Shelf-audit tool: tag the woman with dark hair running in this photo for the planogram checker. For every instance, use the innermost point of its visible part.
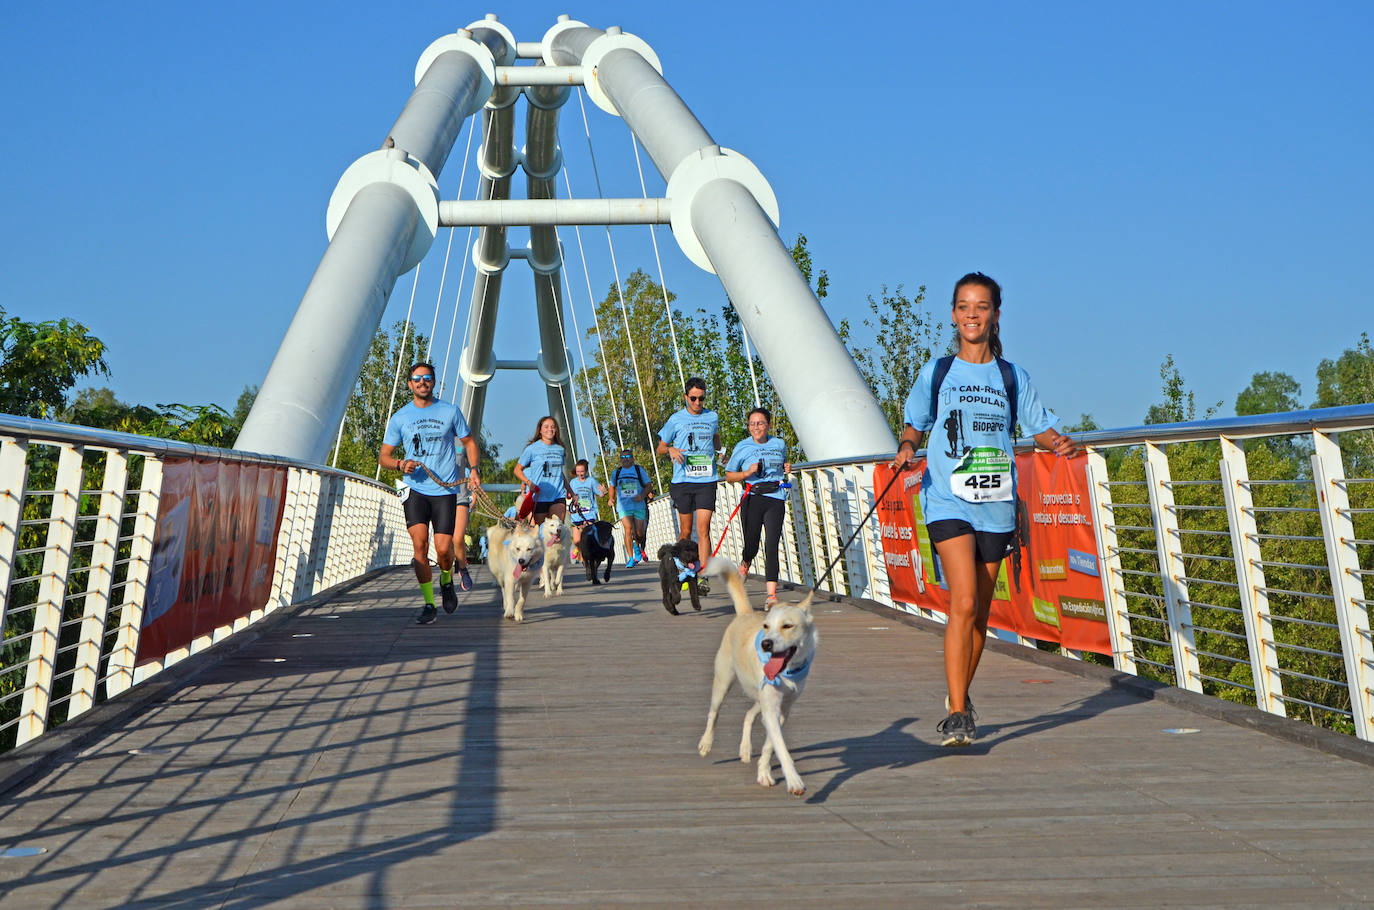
(968, 495)
(761, 461)
(540, 467)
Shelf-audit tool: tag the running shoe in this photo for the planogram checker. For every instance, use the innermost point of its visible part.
(956, 730)
(464, 579)
(971, 711)
(770, 603)
(639, 553)
(703, 586)
(427, 615)
(449, 596)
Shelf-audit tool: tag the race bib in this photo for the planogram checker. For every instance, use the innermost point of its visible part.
(983, 475)
(629, 489)
(699, 466)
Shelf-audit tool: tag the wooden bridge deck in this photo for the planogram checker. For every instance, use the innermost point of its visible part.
(348, 757)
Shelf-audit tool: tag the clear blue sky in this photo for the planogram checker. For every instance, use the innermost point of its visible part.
(1194, 179)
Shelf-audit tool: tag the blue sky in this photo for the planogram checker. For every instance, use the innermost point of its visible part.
(1171, 178)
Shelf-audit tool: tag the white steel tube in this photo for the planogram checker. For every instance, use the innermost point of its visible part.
(1169, 545)
(539, 75)
(99, 579)
(549, 212)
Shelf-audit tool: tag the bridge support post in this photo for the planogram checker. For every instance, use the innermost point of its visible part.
(724, 216)
(382, 220)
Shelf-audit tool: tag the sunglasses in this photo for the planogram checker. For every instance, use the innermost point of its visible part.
(427, 377)
(696, 397)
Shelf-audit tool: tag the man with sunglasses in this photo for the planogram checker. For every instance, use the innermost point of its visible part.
(433, 492)
(690, 438)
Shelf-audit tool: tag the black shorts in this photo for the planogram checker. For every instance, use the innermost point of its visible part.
(988, 546)
(439, 511)
(688, 497)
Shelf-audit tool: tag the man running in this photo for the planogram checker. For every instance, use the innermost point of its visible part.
(433, 492)
(690, 438)
(632, 494)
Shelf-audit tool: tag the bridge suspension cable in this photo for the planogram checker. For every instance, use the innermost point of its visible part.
(620, 294)
(658, 261)
(448, 252)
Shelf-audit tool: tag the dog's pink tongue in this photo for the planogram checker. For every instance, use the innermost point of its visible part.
(518, 570)
(774, 666)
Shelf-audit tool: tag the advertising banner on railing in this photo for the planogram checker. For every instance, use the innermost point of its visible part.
(214, 552)
(1058, 594)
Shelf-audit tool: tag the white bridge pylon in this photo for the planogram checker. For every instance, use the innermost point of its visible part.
(385, 212)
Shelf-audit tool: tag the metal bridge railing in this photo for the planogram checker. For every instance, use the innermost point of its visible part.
(79, 513)
(1234, 554)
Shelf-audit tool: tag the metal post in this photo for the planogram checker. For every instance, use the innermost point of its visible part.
(1109, 558)
(1254, 602)
(721, 217)
(52, 596)
(99, 579)
(120, 674)
(1172, 574)
(14, 476)
(1352, 616)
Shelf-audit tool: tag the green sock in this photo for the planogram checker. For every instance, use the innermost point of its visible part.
(445, 576)
(427, 589)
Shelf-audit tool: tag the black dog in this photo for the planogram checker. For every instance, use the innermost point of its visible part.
(678, 562)
(597, 544)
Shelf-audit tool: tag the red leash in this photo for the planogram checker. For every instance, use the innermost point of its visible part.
(744, 496)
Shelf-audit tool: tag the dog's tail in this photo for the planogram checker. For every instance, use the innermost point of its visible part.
(725, 570)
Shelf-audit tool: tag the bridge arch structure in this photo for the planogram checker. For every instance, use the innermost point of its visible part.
(386, 210)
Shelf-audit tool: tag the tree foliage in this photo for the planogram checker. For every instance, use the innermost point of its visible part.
(1268, 393)
(1179, 404)
(41, 361)
(905, 335)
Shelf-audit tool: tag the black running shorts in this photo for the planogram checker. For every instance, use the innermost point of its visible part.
(689, 497)
(988, 546)
(439, 511)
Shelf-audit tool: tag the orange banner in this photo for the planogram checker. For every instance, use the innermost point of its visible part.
(214, 552)
(1058, 594)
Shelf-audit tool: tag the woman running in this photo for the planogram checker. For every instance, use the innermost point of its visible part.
(541, 466)
(968, 493)
(584, 489)
(761, 461)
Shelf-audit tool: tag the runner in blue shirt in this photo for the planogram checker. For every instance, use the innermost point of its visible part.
(761, 461)
(433, 493)
(584, 489)
(690, 438)
(541, 466)
(967, 490)
(632, 495)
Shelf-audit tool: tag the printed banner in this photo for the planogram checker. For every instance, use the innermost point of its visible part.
(214, 551)
(1057, 595)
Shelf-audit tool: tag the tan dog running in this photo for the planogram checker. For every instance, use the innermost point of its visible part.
(514, 555)
(557, 540)
(770, 655)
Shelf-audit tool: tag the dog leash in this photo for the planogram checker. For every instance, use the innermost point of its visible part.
(862, 521)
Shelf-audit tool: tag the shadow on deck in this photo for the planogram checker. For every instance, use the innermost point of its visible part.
(348, 757)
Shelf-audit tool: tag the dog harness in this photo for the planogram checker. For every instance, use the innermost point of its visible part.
(685, 572)
(796, 674)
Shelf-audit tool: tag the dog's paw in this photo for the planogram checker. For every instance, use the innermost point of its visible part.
(796, 788)
(766, 778)
(704, 746)
(746, 755)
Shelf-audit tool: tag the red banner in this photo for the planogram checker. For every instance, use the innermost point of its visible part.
(1058, 593)
(214, 552)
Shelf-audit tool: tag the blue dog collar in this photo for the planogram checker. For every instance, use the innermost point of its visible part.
(796, 673)
(684, 572)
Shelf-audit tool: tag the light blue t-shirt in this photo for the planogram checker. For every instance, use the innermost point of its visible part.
(426, 435)
(968, 447)
(769, 455)
(629, 483)
(587, 489)
(695, 435)
(543, 464)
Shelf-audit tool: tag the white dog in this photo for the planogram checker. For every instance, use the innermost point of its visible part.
(556, 538)
(513, 555)
(770, 654)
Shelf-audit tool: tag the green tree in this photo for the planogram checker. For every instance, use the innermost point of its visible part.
(1268, 393)
(905, 335)
(1179, 404)
(1349, 379)
(378, 391)
(41, 361)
